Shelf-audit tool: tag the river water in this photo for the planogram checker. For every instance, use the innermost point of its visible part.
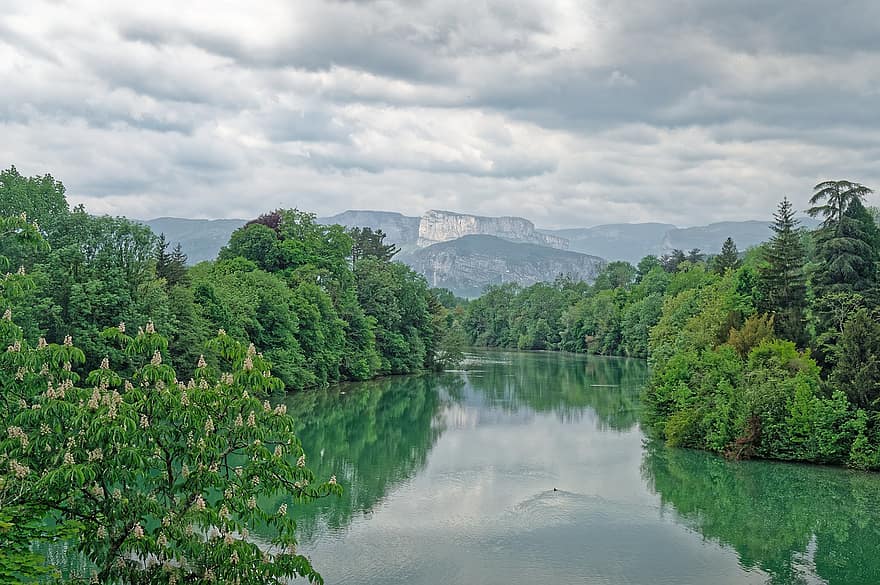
(532, 468)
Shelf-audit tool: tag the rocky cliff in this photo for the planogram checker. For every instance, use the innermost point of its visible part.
(442, 226)
(470, 263)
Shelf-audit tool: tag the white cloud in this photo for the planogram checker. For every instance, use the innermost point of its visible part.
(569, 113)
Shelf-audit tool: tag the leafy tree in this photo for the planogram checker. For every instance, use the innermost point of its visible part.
(756, 330)
(160, 480)
(616, 275)
(646, 265)
(40, 198)
(728, 259)
(398, 299)
(782, 276)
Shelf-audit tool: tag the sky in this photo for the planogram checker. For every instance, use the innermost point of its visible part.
(567, 112)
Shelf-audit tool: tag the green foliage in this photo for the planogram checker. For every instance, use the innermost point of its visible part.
(397, 299)
(856, 369)
(754, 331)
(160, 480)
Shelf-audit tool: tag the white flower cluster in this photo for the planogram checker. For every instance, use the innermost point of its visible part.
(18, 433)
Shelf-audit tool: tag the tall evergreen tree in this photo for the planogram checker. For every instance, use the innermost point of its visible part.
(782, 277)
(847, 240)
(170, 265)
(728, 259)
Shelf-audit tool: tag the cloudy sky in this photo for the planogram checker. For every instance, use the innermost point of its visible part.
(569, 112)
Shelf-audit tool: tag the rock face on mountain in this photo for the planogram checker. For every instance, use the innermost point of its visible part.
(468, 264)
(442, 226)
(399, 229)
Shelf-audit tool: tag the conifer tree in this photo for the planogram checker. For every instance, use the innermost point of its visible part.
(728, 259)
(782, 277)
(847, 239)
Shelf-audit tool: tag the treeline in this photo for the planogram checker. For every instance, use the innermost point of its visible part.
(773, 353)
(321, 303)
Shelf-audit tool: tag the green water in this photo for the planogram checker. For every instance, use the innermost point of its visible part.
(450, 479)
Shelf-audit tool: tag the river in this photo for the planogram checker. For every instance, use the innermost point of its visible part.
(532, 468)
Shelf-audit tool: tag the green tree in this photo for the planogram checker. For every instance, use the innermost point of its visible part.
(847, 238)
(857, 360)
(616, 275)
(41, 198)
(728, 259)
(369, 244)
(782, 277)
(160, 481)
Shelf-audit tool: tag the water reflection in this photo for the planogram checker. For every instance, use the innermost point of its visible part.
(532, 468)
(800, 524)
(372, 436)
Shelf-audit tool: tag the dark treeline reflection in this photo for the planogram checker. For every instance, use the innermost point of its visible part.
(371, 435)
(795, 522)
(565, 384)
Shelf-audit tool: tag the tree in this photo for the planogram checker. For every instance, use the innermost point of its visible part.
(369, 244)
(160, 480)
(847, 239)
(857, 360)
(695, 256)
(831, 199)
(616, 275)
(672, 260)
(170, 266)
(728, 259)
(41, 198)
(782, 277)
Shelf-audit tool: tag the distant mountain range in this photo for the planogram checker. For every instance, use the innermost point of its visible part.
(467, 252)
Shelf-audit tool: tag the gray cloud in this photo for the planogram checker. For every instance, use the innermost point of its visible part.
(569, 113)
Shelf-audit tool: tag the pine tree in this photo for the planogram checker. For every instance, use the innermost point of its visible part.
(177, 274)
(162, 257)
(170, 266)
(728, 259)
(782, 277)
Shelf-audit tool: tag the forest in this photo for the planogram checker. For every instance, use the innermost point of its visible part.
(771, 353)
(135, 390)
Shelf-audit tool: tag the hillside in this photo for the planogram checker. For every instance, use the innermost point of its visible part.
(634, 241)
(470, 263)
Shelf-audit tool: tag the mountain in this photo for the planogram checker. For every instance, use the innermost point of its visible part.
(634, 241)
(442, 226)
(621, 241)
(201, 239)
(468, 264)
